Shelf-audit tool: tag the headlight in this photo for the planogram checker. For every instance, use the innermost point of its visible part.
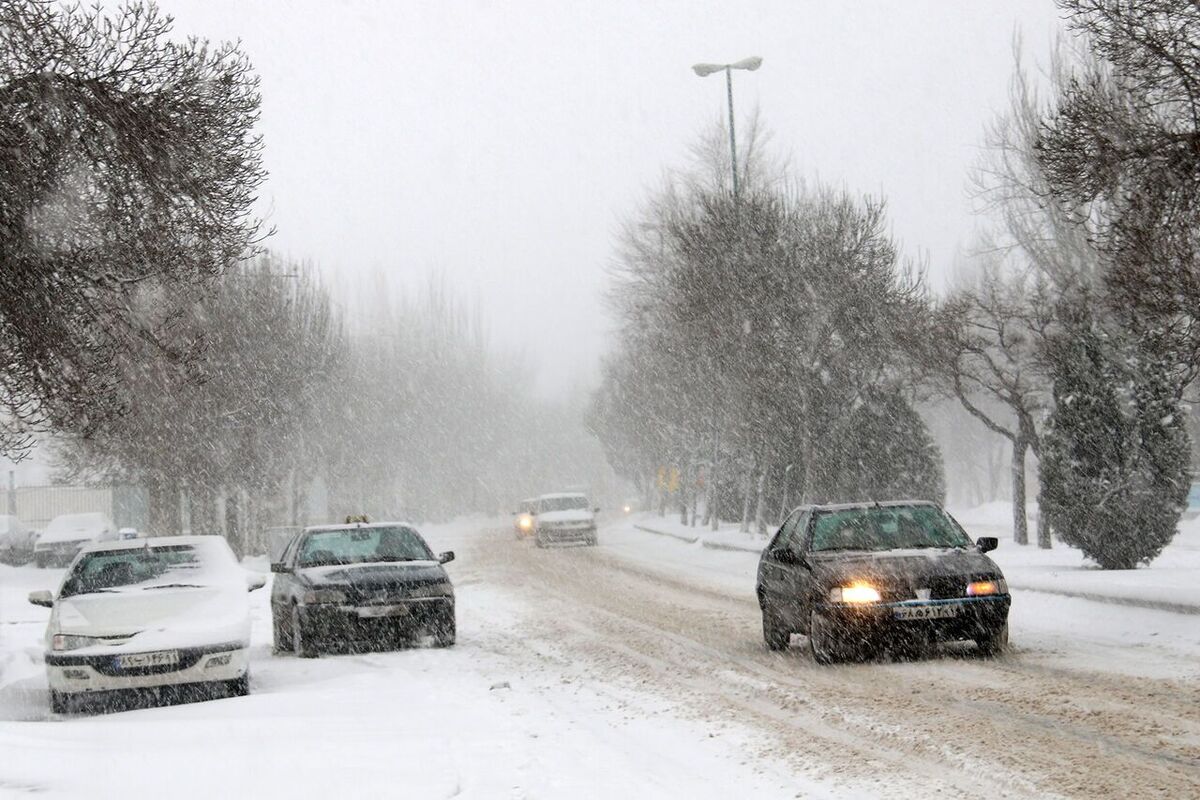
(627, 509)
(856, 593)
(525, 522)
(68, 641)
(985, 588)
(319, 596)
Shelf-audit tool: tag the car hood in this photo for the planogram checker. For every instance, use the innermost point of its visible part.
(377, 574)
(140, 618)
(572, 515)
(909, 567)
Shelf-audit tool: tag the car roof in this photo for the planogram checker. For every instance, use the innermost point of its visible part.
(556, 495)
(867, 504)
(349, 526)
(150, 541)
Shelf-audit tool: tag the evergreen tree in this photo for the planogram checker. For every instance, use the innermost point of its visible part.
(883, 451)
(1114, 466)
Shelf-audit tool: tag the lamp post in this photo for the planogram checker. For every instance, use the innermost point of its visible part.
(704, 70)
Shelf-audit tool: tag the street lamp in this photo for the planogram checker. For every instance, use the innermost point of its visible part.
(704, 70)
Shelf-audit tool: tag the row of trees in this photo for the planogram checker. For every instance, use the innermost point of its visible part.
(772, 342)
(142, 327)
(760, 349)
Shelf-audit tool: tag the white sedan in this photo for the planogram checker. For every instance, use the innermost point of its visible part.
(163, 611)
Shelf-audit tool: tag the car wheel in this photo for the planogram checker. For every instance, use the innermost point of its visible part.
(302, 646)
(445, 630)
(995, 642)
(238, 687)
(60, 702)
(822, 639)
(776, 636)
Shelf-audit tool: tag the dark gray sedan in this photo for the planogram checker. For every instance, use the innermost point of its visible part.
(855, 577)
(360, 584)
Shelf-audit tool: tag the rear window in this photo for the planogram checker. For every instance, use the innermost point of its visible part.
(886, 528)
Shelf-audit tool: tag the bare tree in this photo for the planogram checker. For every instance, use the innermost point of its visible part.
(128, 167)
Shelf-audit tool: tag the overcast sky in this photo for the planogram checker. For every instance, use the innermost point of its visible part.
(501, 143)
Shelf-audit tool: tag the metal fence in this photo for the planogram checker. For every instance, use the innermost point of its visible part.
(36, 505)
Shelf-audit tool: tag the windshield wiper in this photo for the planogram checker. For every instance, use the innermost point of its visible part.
(174, 586)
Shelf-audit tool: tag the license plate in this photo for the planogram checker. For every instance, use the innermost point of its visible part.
(926, 612)
(368, 612)
(162, 658)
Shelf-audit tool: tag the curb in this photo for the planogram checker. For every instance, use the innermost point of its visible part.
(1134, 602)
(727, 546)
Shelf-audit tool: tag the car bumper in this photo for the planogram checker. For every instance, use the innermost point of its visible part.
(330, 624)
(72, 674)
(973, 617)
(566, 535)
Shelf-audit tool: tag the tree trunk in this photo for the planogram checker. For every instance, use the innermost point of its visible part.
(760, 509)
(1043, 532)
(747, 490)
(1020, 525)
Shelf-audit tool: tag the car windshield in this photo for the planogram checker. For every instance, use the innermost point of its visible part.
(571, 503)
(885, 528)
(139, 568)
(361, 545)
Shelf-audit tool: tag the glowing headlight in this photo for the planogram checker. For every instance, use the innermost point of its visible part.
(856, 593)
(525, 522)
(319, 596)
(984, 588)
(627, 509)
(67, 641)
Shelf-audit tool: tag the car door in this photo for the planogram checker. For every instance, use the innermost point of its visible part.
(282, 588)
(784, 573)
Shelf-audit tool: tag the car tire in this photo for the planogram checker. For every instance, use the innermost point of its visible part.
(302, 645)
(238, 687)
(280, 643)
(775, 635)
(995, 642)
(822, 640)
(60, 702)
(445, 630)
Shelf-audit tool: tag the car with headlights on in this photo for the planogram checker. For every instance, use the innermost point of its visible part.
(564, 518)
(360, 584)
(523, 518)
(858, 576)
(148, 613)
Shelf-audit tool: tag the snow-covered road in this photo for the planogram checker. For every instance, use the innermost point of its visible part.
(634, 669)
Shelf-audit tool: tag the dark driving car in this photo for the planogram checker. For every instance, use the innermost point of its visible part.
(339, 586)
(857, 576)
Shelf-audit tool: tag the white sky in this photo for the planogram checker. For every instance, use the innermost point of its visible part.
(502, 143)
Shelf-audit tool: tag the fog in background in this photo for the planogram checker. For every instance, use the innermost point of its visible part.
(501, 144)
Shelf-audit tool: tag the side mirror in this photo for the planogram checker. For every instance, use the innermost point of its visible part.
(42, 598)
(446, 557)
(987, 544)
(255, 581)
(279, 566)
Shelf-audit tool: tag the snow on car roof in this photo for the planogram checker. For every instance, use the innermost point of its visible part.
(154, 541)
(556, 495)
(868, 504)
(349, 526)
